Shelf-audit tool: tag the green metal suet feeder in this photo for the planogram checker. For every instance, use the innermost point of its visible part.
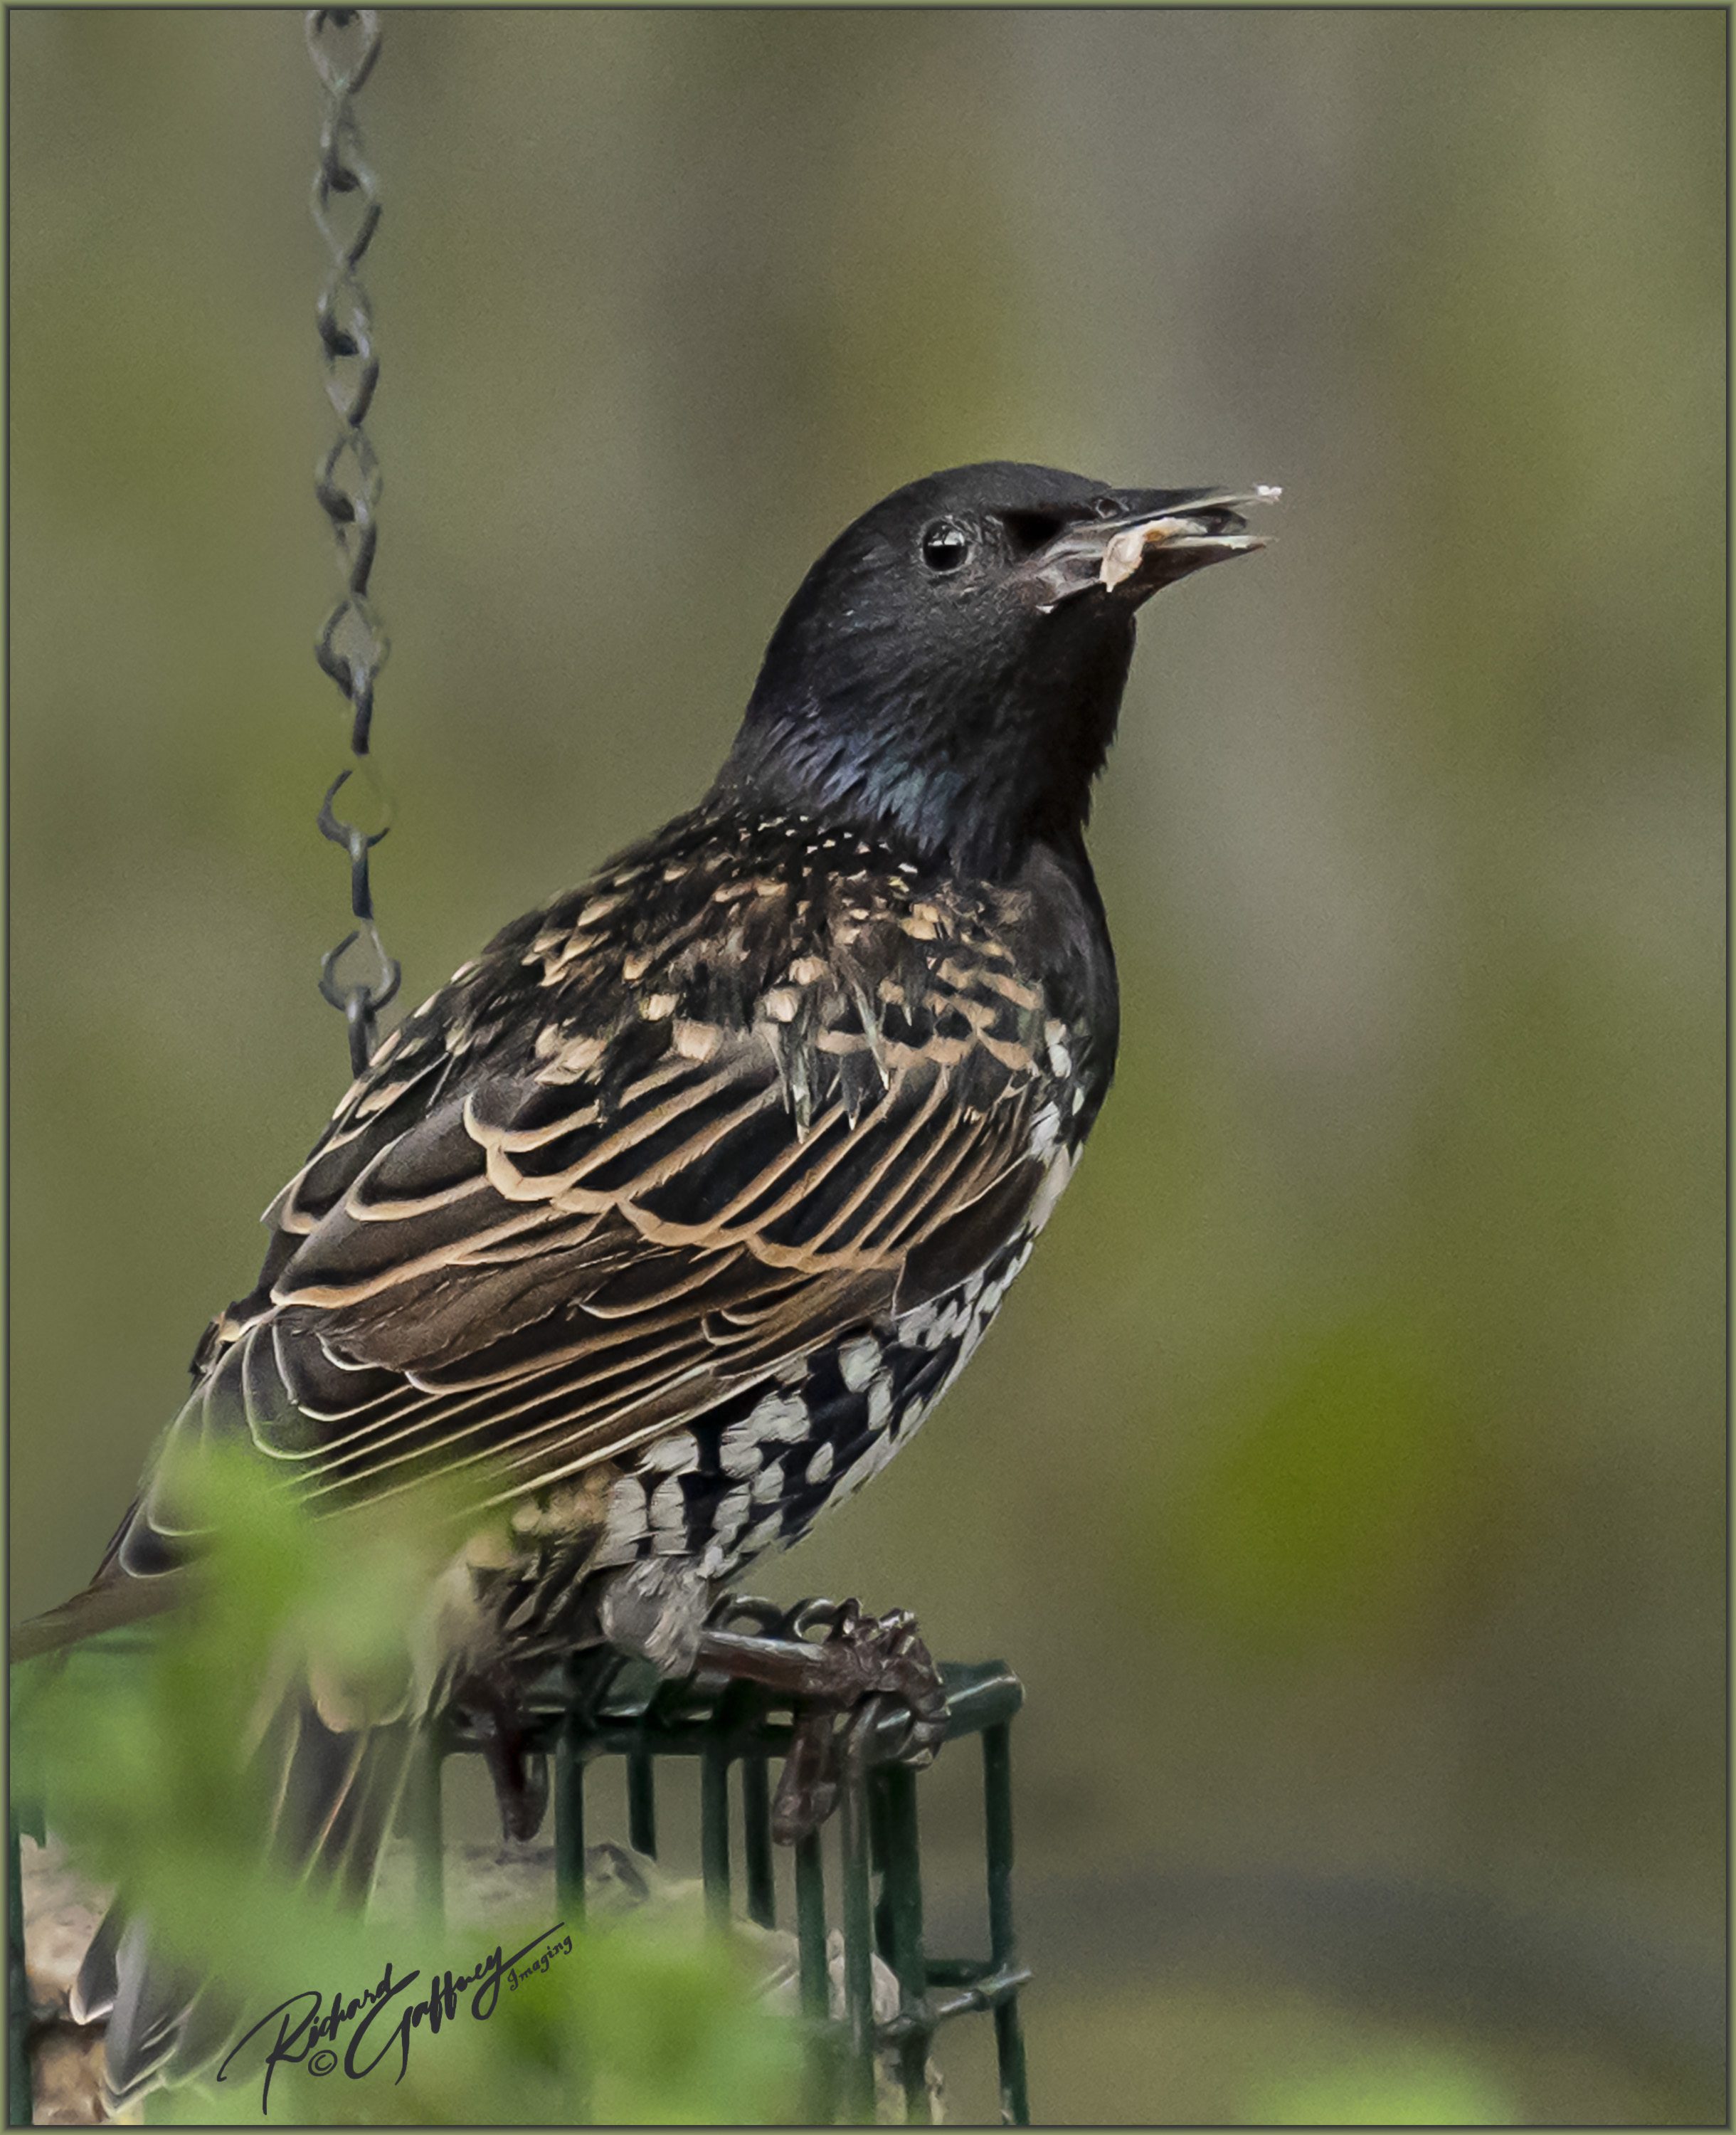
(644, 1720)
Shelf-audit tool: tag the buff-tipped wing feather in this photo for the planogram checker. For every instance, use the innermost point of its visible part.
(527, 1274)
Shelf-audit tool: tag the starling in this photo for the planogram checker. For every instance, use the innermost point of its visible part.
(671, 1217)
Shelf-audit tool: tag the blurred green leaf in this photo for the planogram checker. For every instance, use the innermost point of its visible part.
(135, 1745)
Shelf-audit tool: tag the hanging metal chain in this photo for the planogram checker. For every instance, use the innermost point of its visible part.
(352, 647)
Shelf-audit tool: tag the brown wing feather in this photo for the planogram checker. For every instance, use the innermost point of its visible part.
(541, 1261)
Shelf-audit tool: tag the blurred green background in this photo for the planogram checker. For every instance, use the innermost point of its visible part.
(1346, 1479)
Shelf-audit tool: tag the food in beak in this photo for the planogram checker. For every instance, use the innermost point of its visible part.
(1127, 549)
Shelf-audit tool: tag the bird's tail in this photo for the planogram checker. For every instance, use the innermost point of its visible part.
(105, 1604)
(336, 1792)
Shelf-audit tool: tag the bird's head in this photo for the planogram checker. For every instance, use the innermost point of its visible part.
(949, 672)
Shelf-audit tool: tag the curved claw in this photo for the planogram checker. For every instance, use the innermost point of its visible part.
(890, 1652)
(808, 1786)
(520, 1773)
(868, 1667)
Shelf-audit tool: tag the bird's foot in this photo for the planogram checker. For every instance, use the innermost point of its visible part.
(520, 1774)
(843, 1674)
(842, 1687)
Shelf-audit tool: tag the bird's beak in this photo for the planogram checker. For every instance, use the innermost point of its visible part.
(1160, 536)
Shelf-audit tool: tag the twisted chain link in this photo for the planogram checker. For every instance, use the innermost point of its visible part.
(357, 977)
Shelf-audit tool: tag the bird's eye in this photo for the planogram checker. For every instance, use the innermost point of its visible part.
(1107, 507)
(945, 545)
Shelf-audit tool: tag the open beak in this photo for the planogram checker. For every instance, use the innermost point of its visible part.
(1160, 536)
